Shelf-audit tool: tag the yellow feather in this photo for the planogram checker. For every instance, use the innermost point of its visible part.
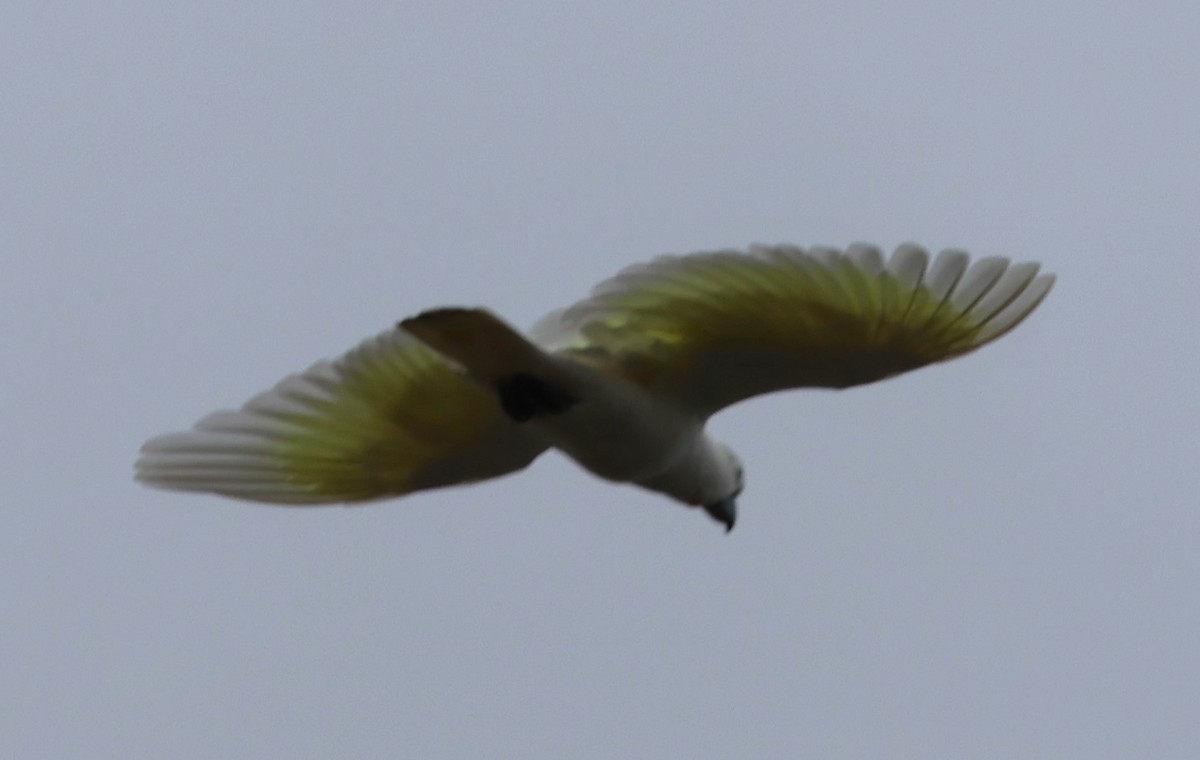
(715, 328)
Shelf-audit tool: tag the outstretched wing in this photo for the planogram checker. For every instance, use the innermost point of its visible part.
(388, 418)
(711, 329)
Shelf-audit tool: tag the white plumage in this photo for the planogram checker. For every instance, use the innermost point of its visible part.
(623, 381)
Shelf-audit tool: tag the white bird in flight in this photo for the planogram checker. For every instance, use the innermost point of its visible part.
(623, 381)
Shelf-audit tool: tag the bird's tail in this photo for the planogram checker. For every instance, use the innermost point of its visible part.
(486, 347)
(527, 381)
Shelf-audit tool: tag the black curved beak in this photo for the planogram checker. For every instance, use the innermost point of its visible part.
(723, 511)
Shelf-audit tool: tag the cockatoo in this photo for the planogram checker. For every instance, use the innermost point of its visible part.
(622, 382)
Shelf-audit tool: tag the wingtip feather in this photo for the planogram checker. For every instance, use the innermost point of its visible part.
(946, 272)
(978, 280)
(1017, 309)
(868, 258)
(908, 264)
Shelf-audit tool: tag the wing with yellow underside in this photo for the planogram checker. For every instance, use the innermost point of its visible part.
(712, 329)
(388, 418)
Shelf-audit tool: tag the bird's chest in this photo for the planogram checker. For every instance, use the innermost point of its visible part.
(621, 439)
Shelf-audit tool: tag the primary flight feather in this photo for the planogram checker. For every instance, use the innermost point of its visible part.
(623, 381)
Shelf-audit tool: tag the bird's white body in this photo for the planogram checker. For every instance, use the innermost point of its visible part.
(619, 432)
(623, 382)
(614, 428)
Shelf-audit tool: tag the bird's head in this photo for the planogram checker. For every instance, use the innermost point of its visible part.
(709, 475)
(727, 481)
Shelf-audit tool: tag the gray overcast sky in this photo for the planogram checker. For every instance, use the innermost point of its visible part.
(994, 558)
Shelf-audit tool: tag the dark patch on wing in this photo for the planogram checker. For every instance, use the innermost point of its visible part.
(525, 397)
